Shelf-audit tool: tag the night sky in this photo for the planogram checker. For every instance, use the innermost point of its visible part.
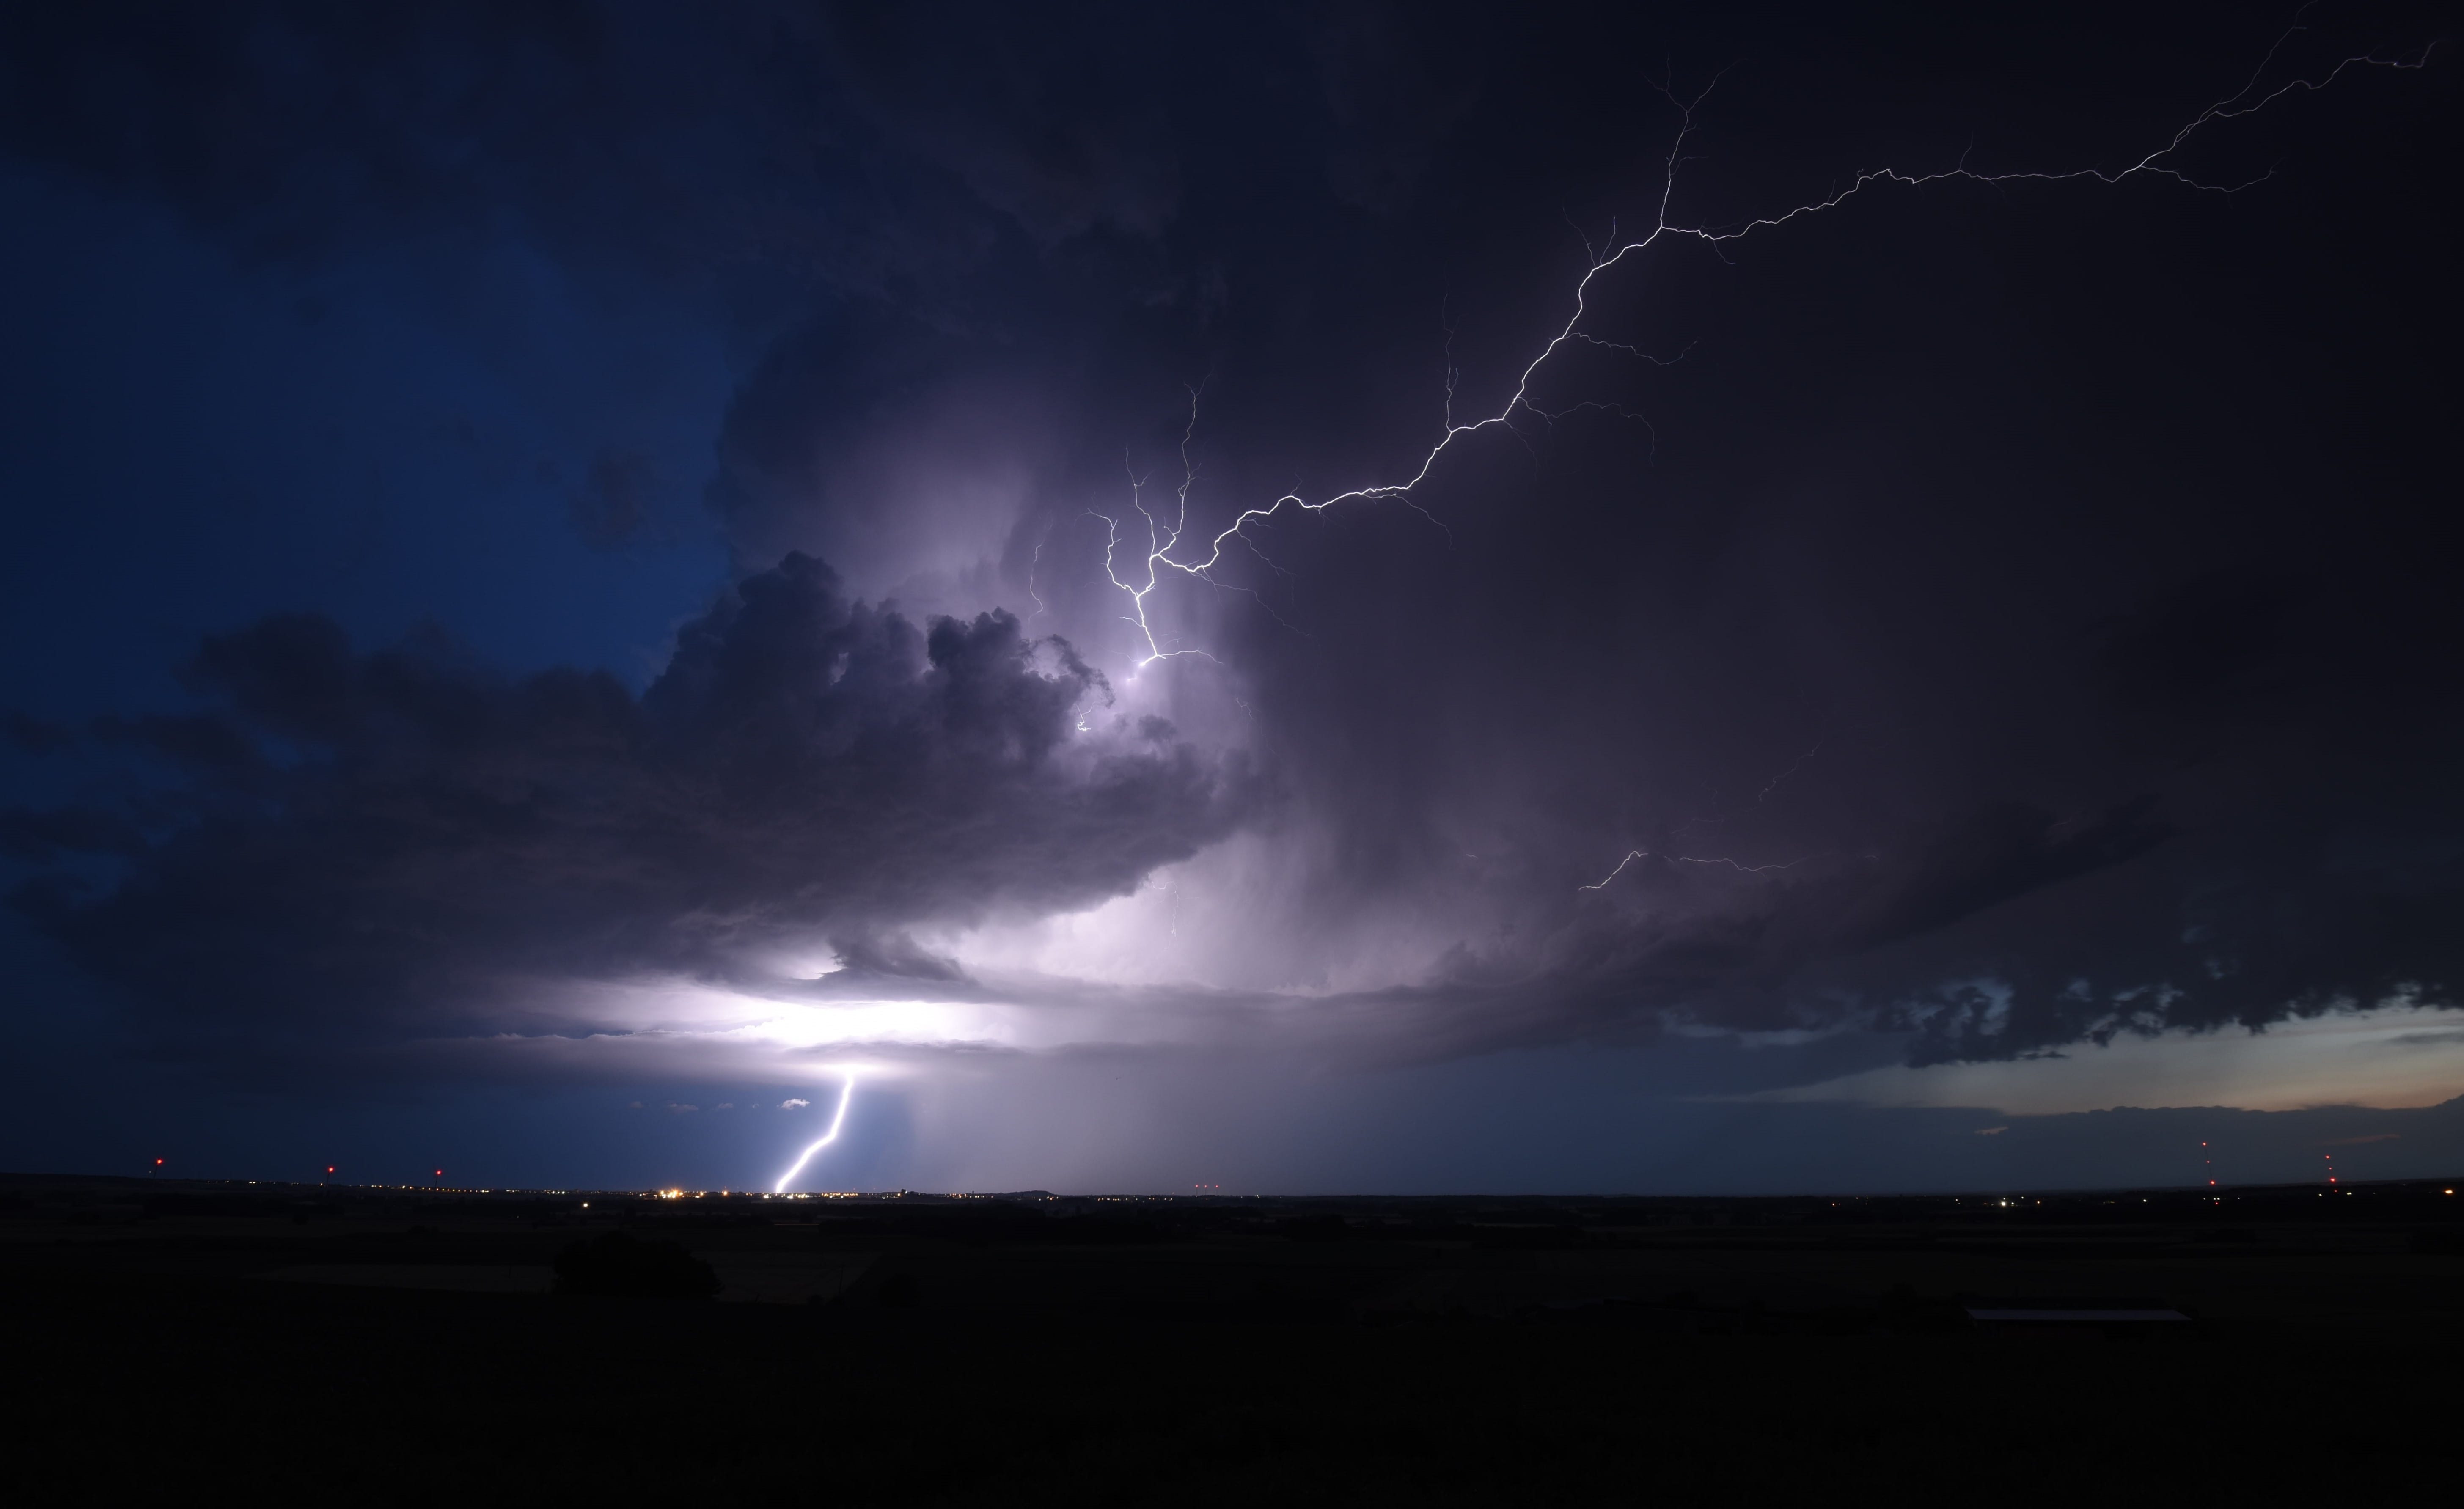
(576, 585)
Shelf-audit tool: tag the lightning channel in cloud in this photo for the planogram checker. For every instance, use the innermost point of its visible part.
(1163, 539)
(838, 1119)
(1633, 855)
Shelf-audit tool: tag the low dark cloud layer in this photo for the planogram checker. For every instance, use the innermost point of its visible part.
(402, 840)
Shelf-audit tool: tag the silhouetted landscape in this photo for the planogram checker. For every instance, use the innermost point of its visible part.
(914, 1348)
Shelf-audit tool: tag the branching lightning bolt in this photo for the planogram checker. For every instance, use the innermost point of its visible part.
(1772, 785)
(1162, 541)
(1633, 855)
(1161, 538)
(1760, 797)
(847, 1093)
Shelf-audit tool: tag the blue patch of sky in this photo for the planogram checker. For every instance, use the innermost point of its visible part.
(394, 438)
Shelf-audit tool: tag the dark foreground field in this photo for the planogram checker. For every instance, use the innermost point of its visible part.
(215, 1339)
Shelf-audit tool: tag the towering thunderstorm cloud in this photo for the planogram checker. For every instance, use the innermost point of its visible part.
(624, 582)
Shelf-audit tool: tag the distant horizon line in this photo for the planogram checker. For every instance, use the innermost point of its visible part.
(677, 1192)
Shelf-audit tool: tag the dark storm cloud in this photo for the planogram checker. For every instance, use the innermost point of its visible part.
(1393, 92)
(2256, 816)
(767, 163)
(2064, 941)
(2020, 621)
(353, 840)
(1057, 126)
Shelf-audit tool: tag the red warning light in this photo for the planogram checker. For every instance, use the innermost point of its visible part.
(158, 1162)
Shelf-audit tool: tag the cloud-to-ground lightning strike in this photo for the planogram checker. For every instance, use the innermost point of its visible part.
(838, 1119)
(1161, 542)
